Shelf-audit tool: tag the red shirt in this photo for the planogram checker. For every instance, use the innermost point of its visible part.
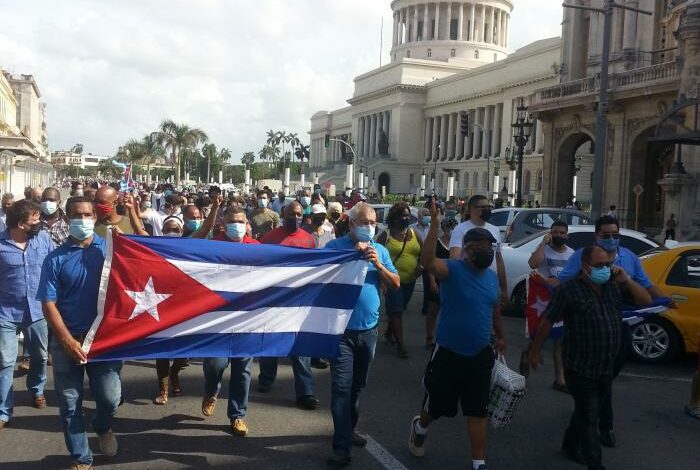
(300, 238)
(246, 240)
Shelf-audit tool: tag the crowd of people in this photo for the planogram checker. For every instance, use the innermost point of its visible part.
(52, 253)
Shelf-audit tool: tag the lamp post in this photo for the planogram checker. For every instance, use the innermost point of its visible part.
(522, 128)
(349, 172)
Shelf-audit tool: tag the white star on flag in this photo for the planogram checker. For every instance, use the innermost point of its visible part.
(147, 300)
(540, 306)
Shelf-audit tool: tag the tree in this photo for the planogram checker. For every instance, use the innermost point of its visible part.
(77, 148)
(302, 153)
(248, 159)
(177, 137)
(209, 152)
(151, 150)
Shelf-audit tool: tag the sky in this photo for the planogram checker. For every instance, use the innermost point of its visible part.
(111, 70)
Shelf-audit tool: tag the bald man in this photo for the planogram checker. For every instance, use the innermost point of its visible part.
(53, 220)
(32, 194)
(106, 199)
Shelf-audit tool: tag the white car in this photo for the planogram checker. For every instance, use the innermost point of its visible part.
(382, 211)
(516, 255)
(502, 217)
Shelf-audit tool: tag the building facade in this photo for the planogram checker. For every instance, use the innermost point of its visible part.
(84, 161)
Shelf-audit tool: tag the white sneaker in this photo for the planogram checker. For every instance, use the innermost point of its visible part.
(108, 444)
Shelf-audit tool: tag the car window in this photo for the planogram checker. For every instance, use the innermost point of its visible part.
(541, 220)
(499, 219)
(575, 219)
(686, 272)
(635, 245)
(380, 214)
(578, 240)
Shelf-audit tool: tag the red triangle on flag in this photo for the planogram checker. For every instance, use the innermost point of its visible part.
(136, 271)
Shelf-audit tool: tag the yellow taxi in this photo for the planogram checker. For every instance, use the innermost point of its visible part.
(677, 273)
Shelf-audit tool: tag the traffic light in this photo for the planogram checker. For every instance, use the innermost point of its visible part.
(327, 142)
(465, 123)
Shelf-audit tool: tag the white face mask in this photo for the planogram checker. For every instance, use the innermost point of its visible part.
(172, 234)
(49, 207)
(78, 193)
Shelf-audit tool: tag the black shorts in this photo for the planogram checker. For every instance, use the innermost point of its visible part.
(452, 378)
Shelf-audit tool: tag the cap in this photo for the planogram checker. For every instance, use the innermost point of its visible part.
(318, 209)
(478, 234)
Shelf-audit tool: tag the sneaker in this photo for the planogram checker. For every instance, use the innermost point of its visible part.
(3, 424)
(608, 439)
(308, 402)
(358, 440)
(108, 444)
(208, 406)
(416, 443)
(338, 459)
(240, 428)
(80, 466)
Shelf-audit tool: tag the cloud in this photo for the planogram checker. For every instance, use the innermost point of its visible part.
(111, 71)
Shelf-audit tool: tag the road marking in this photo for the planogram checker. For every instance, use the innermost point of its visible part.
(657, 377)
(382, 455)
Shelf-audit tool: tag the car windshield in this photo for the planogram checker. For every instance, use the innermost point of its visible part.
(499, 219)
(528, 239)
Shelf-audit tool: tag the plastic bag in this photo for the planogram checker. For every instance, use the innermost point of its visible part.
(508, 388)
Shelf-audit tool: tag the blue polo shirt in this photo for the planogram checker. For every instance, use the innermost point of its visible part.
(366, 312)
(467, 300)
(71, 278)
(625, 259)
(20, 271)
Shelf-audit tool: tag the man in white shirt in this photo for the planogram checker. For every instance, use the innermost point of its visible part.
(479, 211)
(423, 225)
(156, 218)
(7, 200)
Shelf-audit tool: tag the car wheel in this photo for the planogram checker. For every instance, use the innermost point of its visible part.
(519, 299)
(654, 341)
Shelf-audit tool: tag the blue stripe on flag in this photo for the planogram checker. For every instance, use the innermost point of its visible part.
(228, 345)
(338, 296)
(220, 252)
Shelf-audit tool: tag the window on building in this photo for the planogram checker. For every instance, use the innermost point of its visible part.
(411, 179)
(408, 54)
(476, 54)
(453, 53)
(484, 180)
(466, 181)
(475, 180)
(454, 28)
(430, 53)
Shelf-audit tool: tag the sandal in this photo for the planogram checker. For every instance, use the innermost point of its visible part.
(175, 382)
(162, 398)
(559, 387)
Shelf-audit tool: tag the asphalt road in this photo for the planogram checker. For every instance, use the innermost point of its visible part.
(653, 432)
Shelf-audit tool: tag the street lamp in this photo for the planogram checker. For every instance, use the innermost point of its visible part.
(522, 128)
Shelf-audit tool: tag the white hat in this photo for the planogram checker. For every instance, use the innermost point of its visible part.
(318, 209)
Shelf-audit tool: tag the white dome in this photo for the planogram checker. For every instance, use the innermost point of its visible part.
(470, 32)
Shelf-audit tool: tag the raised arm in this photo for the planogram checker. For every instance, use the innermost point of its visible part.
(437, 267)
(210, 220)
(131, 205)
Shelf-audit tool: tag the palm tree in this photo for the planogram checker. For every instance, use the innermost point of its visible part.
(209, 151)
(178, 137)
(224, 155)
(248, 158)
(302, 153)
(294, 141)
(151, 150)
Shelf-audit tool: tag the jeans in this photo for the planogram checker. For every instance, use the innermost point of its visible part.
(164, 370)
(349, 373)
(588, 395)
(606, 406)
(35, 341)
(105, 388)
(303, 378)
(238, 384)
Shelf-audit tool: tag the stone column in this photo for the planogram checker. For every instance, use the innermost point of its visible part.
(415, 24)
(471, 23)
(502, 29)
(630, 33)
(443, 136)
(482, 33)
(498, 129)
(396, 23)
(435, 141)
(477, 133)
(507, 28)
(618, 27)
(380, 127)
(366, 147)
(437, 20)
(402, 27)
(491, 36)
(469, 151)
(426, 141)
(386, 126)
(426, 15)
(451, 137)
(360, 138)
(373, 136)
(459, 152)
(487, 132)
(460, 22)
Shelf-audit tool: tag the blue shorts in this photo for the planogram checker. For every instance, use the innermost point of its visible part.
(397, 299)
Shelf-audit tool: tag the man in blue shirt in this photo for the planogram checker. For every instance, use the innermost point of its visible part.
(607, 234)
(350, 369)
(23, 248)
(459, 370)
(69, 287)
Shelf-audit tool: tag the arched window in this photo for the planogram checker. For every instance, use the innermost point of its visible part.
(453, 53)
(430, 52)
(475, 180)
(526, 182)
(540, 175)
(476, 54)
(466, 180)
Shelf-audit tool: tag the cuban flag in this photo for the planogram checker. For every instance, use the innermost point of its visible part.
(179, 297)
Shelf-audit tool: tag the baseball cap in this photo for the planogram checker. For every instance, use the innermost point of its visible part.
(318, 209)
(477, 234)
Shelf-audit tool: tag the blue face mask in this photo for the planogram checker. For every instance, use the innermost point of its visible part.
(167, 192)
(600, 276)
(305, 201)
(364, 233)
(235, 231)
(81, 229)
(426, 220)
(609, 244)
(193, 225)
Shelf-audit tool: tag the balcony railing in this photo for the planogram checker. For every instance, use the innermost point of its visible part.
(629, 79)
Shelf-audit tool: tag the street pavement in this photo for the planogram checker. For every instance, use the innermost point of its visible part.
(653, 432)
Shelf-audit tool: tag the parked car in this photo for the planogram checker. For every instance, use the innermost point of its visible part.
(676, 272)
(502, 217)
(382, 211)
(530, 221)
(516, 255)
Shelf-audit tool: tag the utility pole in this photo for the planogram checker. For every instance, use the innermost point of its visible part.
(601, 130)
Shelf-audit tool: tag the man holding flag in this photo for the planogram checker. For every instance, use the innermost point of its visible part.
(68, 290)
